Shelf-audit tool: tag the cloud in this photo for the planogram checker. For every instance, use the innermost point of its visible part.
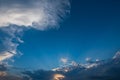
(117, 55)
(17, 15)
(58, 77)
(3, 67)
(9, 41)
(88, 59)
(64, 60)
(38, 14)
(105, 70)
(6, 55)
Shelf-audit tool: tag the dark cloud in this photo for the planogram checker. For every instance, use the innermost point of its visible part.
(40, 75)
(3, 67)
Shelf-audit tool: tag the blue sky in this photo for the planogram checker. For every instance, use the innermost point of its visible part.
(91, 30)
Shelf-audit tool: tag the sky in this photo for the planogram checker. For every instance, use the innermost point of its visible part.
(90, 30)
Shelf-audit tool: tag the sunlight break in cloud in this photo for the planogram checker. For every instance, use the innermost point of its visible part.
(58, 77)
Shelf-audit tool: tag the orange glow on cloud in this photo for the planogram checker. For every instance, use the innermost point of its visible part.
(58, 77)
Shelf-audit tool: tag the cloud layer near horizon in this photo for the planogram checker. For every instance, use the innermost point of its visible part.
(105, 70)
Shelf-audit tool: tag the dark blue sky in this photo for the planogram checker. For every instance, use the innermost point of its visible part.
(92, 30)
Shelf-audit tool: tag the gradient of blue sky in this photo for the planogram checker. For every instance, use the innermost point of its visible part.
(92, 30)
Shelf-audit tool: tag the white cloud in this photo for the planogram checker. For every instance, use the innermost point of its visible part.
(87, 66)
(73, 63)
(97, 60)
(38, 14)
(88, 59)
(6, 55)
(117, 55)
(64, 60)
